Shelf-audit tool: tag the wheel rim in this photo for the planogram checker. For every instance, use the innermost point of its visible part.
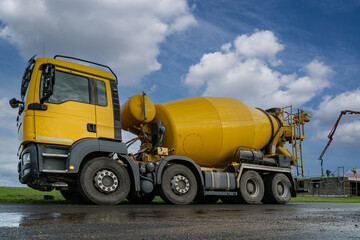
(282, 189)
(106, 181)
(180, 184)
(252, 188)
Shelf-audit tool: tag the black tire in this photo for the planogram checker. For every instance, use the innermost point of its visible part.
(277, 189)
(207, 200)
(112, 182)
(146, 198)
(74, 197)
(251, 187)
(178, 185)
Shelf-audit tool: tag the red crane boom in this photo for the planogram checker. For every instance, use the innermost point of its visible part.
(331, 134)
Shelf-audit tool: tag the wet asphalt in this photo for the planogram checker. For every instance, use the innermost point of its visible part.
(160, 221)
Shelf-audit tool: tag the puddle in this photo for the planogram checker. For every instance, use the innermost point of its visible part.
(99, 214)
(41, 219)
(10, 219)
(107, 215)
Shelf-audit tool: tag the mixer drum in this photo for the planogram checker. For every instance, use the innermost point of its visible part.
(209, 129)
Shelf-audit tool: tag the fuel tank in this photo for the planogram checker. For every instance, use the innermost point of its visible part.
(209, 129)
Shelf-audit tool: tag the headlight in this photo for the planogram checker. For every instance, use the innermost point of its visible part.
(26, 171)
(26, 158)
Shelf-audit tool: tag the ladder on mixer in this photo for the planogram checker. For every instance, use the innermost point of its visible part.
(297, 135)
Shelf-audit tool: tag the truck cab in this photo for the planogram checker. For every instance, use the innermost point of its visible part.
(63, 105)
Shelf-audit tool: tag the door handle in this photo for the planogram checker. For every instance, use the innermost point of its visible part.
(37, 106)
(91, 127)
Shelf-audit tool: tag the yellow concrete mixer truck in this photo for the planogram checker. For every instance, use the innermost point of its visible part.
(198, 149)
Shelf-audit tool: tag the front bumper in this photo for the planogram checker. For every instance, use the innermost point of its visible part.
(40, 165)
(28, 169)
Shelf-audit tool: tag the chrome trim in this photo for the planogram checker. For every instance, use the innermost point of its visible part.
(54, 139)
(54, 171)
(266, 168)
(259, 167)
(55, 155)
(59, 184)
(228, 181)
(212, 181)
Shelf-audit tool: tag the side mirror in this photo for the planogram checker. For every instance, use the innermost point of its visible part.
(14, 103)
(48, 81)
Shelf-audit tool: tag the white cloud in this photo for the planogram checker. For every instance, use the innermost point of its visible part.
(153, 89)
(8, 161)
(240, 70)
(7, 116)
(6, 110)
(327, 113)
(346, 135)
(261, 44)
(330, 107)
(123, 34)
(8, 145)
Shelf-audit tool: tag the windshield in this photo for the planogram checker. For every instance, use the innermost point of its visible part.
(26, 78)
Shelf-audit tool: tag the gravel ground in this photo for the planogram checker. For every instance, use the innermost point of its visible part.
(159, 221)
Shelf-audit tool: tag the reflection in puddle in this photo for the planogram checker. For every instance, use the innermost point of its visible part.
(40, 219)
(120, 214)
(10, 219)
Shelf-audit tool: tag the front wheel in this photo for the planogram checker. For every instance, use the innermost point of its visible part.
(178, 185)
(104, 181)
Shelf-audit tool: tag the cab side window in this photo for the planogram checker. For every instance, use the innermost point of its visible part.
(100, 90)
(70, 87)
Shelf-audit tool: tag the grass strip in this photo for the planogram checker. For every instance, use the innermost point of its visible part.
(29, 195)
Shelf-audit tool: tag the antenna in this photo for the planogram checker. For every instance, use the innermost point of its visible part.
(44, 49)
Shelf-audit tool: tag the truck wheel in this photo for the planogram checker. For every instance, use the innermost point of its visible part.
(146, 198)
(178, 185)
(104, 181)
(74, 197)
(251, 187)
(277, 189)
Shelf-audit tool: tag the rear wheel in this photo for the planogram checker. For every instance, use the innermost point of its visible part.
(277, 189)
(251, 187)
(104, 181)
(178, 185)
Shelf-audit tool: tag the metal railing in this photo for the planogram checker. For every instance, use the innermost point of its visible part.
(296, 122)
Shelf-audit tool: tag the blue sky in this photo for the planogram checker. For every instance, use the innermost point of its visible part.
(265, 53)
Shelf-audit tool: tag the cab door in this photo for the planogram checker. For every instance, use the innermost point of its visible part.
(103, 109)
(70, 113)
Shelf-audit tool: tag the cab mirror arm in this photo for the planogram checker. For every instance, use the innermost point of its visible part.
(14, 103)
